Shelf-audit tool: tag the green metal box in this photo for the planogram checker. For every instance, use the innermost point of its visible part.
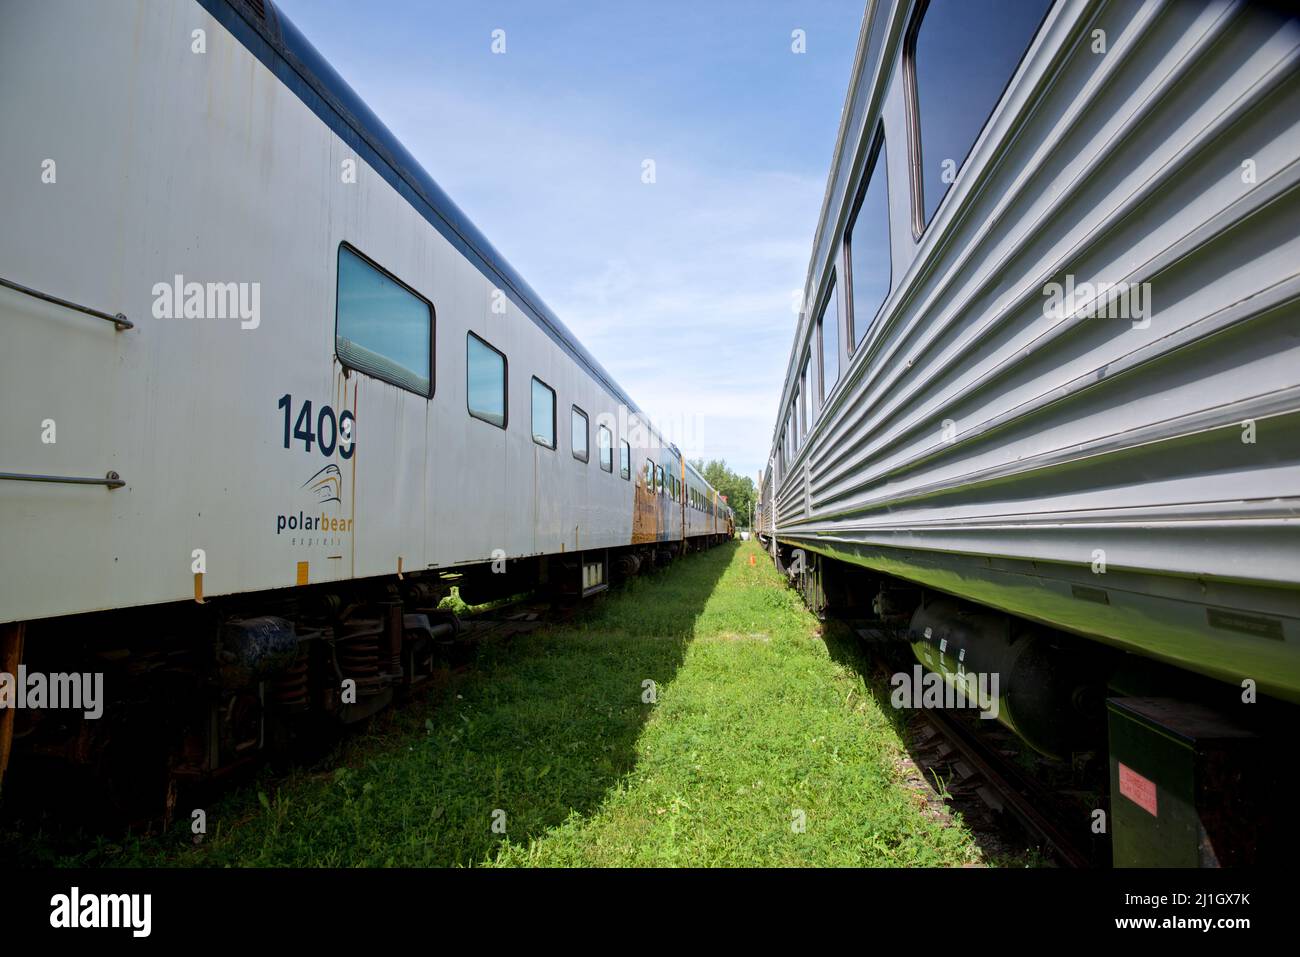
(1184, 784)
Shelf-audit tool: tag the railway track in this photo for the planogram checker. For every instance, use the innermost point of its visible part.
(981, 767)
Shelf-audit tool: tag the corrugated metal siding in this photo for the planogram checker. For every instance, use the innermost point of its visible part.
(1066, 436)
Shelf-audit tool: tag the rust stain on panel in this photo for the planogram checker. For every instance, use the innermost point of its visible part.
(645, 514)
(11, 655)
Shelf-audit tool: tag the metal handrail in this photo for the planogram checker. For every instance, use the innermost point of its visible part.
(112, 479)
(120, 321)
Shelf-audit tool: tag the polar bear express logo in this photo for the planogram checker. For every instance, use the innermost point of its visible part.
(323, 493)
(326, 485)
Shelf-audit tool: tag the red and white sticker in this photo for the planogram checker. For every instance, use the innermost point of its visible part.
(1141, 791)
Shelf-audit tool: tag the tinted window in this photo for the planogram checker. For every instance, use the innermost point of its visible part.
(659, 480)
(580, 434)
(543, 414)
(625, 460)
(963, 56)
(485, 371)
(605, 445)
(804, 417)
(828, 335)
(870, 265)
(810, 387)
(382, 327)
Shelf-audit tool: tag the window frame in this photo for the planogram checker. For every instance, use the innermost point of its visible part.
(433, 322)
(911, 110)
(624, 471)
(586, 428)
(831, 293)
(878, 147)
(794, 419)
(505, 383)
(555, 438)
(608, 446)
(805, 411)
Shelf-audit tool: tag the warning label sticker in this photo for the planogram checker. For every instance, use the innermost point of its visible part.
(1141, 791)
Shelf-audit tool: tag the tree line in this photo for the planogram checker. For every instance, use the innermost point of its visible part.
(738, 489)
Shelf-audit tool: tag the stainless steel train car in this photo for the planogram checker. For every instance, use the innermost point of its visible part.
(268, 392)
(1045, 391)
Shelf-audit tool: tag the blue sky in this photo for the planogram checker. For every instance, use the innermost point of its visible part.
(683, 289)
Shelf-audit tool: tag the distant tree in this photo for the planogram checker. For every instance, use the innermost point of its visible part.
(738, 489)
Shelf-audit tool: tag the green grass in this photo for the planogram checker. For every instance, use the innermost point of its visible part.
(755, 722)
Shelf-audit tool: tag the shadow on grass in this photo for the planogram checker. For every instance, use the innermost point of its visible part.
(542, 728)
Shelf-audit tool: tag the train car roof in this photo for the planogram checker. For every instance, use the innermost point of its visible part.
(271, 37)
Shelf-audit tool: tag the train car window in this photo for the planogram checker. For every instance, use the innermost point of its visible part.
(605, 446)
(959, 58)
(804, 411)
(798, 422)
(543, 413)
(814, 388)
(625, 460)
(659, 480)
(828, 341)
(650, 475)
(382, 327)
(485, 373)
(581, 434)
(870, 266)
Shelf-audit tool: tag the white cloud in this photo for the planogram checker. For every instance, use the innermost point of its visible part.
(681, 289)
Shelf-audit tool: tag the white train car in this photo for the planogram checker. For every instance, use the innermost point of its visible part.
(250, 346)
(1047, 381)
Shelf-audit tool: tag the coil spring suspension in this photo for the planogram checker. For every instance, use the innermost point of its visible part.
(357, 650)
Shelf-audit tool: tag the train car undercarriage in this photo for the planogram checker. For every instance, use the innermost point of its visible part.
(131, 708)
(1188, 767)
